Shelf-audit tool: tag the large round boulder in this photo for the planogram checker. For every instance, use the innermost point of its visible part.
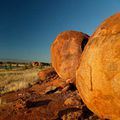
(66, 51)
(98, 75)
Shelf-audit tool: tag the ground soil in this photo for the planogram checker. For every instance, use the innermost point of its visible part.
(51, 99)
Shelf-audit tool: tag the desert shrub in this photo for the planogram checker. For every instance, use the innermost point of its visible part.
(15, 80)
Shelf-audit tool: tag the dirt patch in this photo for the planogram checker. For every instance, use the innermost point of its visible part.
(53, 99)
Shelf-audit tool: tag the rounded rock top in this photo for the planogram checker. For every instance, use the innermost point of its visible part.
(66, 51)
(98, 75)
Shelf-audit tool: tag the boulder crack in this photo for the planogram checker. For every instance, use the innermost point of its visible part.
(91, 82)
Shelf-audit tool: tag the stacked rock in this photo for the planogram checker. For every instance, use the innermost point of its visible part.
(96, 69)
(66, 51)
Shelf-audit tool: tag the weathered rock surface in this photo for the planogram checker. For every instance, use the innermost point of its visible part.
(66, 51)
(98, 76)
(72, 101)
(45, 74)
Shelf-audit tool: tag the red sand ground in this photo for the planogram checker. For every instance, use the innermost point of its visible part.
(52, 99)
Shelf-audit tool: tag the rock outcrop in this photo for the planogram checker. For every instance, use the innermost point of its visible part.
(98, 76)
(45, 74)
(44, 101)
(66, 51)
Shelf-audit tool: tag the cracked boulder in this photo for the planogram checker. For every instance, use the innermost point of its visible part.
(98, 76)
(66, 51)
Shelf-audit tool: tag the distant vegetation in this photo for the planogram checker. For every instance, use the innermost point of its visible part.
(18, 75)
(8, 65)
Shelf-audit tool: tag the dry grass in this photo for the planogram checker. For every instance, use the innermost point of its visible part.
(15, 80)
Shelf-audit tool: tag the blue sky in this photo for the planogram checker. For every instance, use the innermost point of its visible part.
(28, 27)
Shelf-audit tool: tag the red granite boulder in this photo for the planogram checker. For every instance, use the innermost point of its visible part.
(98, 75)
(66, 51)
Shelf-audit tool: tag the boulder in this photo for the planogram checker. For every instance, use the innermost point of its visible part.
(47, 73)
(98, 75)
(66, 51)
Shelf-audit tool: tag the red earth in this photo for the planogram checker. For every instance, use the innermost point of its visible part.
(51, 99)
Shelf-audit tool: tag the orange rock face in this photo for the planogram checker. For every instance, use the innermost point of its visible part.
(98, 76)
(45, 74)
(66, 51)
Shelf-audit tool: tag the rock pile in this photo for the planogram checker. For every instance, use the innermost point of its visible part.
(96, 69)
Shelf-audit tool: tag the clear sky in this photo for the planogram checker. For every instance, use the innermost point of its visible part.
(28, 27)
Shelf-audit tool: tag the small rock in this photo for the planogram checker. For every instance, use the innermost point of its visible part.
(94, 117)
(50, 89)
(72, 116)
(72, 101)
(19, 105)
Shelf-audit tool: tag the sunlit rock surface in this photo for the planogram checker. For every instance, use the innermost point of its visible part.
(98, 76)
(66, 51)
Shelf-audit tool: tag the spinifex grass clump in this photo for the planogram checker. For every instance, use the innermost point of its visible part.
(15, 80)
